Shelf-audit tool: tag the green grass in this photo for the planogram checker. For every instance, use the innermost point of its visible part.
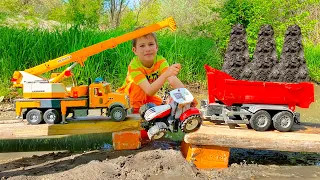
(312, 56)
(71, 143)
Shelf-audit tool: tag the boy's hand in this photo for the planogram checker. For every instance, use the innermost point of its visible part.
(194, 103)
(173, 70)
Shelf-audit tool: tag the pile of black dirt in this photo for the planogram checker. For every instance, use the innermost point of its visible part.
(292, 66)
(264, 57)
(237, 54)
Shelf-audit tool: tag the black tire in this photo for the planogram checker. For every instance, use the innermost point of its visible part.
(260, 121)
(52, 116)
(118, 114)
(248, 126)
(34, 116)
(191, 124)
(283, 121)
(143, 109)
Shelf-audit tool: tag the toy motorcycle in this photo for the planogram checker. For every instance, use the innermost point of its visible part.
(177, 113)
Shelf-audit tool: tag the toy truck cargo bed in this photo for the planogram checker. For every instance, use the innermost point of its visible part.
(230, 91)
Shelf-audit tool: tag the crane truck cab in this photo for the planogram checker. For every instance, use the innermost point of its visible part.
(117, 105)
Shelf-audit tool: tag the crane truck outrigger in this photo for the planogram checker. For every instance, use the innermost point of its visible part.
(51, 101)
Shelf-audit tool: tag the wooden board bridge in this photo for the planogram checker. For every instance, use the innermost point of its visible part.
(209, 147)
(17, 129)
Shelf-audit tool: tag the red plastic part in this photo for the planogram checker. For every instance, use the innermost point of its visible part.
(75, 94)
(189, 112)
(144, 134)
(228, 90)
(163, 114)
(67, 73)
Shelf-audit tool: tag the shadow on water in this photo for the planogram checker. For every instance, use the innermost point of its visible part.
(268, 157)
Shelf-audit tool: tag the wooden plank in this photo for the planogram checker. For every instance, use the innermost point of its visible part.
(303, 138)
(87, 125)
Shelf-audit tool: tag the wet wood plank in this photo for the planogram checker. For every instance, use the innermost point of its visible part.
(89, 125)
(303, 138)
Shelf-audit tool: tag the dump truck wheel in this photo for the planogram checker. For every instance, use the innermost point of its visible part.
(143, 109)
(52, 116)
(157, 131)
(260, 121)
(283, 121)
(191, 124)
(118, 114)
(34, 116)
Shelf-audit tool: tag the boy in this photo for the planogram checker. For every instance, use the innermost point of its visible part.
(147, 72)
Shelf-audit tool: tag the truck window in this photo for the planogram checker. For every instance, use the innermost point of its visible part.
(97, 92)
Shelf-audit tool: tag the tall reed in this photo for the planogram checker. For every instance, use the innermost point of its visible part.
(23, 49)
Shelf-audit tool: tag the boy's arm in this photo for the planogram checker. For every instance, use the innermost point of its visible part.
(175, 82)
(152, 89)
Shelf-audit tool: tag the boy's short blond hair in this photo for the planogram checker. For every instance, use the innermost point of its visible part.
(134, 41)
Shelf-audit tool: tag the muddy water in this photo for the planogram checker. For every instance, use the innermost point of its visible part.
(5, 157)
(312, 114)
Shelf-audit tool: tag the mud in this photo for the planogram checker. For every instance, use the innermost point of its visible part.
(237, 54)
(265, 65)
(264, 57)
(157, 160)
(7, 111)
(292, 66)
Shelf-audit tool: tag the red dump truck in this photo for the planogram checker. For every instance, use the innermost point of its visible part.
(258, 104)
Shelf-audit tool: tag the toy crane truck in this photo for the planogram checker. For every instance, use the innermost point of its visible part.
(255, 103)
(51, 100)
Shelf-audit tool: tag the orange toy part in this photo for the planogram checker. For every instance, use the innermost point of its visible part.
(206, 157)
(125, 140)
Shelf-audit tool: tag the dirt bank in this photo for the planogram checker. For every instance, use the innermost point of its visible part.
(157, 160)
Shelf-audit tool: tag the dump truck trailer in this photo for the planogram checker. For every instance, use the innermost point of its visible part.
(258, 104)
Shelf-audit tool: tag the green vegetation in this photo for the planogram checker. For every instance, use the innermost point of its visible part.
(75, 143)
(71, 143)
(312, 55)
(22, 49)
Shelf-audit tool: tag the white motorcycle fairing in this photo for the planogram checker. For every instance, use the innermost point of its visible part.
(156, 111)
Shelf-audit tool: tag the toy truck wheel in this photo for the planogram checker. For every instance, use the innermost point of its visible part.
(52, 116)
(118, 114)
(248, 126)
(283, 121)
(191, 124)
(34, 116)
(260, 121)
(143, 109)
(157, 131)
